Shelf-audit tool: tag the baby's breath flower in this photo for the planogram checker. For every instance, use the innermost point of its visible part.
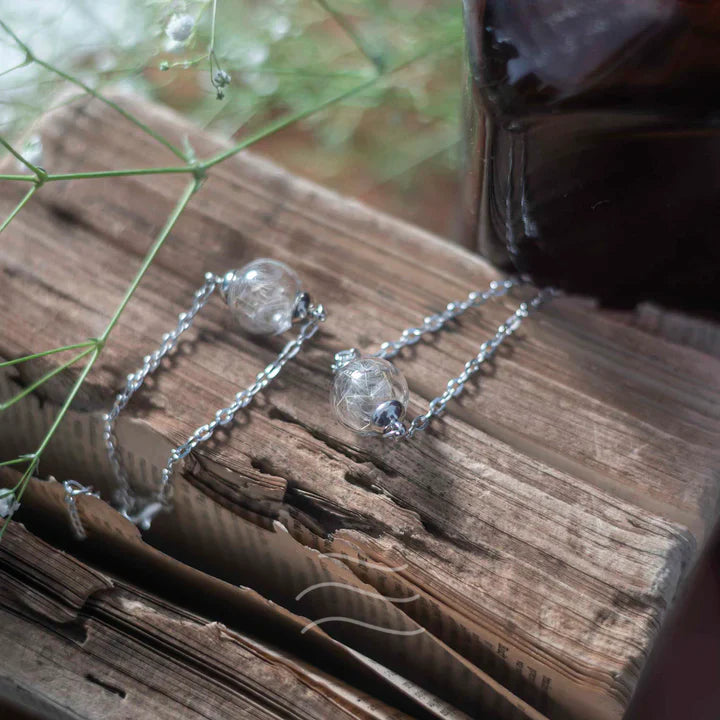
(8, 504)
(180, 28)
(222, 79)
(279, 27)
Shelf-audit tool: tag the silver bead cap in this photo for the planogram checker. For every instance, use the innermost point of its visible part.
(225, 282)
(388, 413)
(344, 357)
(302, 307)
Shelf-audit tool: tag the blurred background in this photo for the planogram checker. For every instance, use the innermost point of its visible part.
(394, 146)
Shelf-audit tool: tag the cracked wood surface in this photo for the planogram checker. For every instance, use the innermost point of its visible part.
(100, 648)
(546, 521)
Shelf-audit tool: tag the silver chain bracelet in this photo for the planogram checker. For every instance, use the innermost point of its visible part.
(370, 395)
(266, 298)
(73, 489)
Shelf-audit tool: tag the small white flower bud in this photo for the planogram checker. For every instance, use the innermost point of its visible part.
(8, 504)
(222, 78)
(180, 28)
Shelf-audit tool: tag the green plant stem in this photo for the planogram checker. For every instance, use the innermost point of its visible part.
(53, 351)
(211, 49)
(17, 491)
(94, 352)
(25, 62)
(169, 224)
(38, 172)
(34, 459)
(177, 170)
(187, 64)
(47, 376)
(94, 347)
(19, 207)
(282, 123)
(16, 487)
(377, 61)
(14, 461)
(128, 116)
(19, 487)
(121, 173)
(265, 69)
(75, 81)
(97, 346)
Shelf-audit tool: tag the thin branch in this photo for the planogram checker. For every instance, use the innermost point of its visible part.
(176, 170)
(404, 168)
(25, 62)
(282, 123)
(38, 171)
(68, 400)
(25, 358)
(47, 376)
(14, 461)
(185, 64)
(35, 457)
(19, 489)
(94, 347)
(25, 48)
(268, 70)
(4, 492)
(211, 50)
(121, 173)
(19, 207)
(377, 61)
(75, 81)
(128, 116)
(169, 224)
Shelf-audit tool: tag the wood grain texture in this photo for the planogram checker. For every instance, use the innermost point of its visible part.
(548, 519)
(113, 651)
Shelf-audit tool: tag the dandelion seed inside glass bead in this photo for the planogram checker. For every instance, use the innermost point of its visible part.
(361, 387)
(262, 296)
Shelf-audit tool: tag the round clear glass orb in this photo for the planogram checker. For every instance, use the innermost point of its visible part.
(363, 385)
(262, 296)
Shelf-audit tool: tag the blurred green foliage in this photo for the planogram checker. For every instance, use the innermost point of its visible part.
(282, 56)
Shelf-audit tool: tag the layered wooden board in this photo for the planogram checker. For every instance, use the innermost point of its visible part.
(546, 521)
(77, 643)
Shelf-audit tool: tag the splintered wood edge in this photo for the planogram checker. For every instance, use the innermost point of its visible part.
(359, 214)
(68, 596)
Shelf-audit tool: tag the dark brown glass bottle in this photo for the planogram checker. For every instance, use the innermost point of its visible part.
(594, 145)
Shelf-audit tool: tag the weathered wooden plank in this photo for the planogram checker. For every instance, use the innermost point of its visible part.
(537, 511)
(113, 651)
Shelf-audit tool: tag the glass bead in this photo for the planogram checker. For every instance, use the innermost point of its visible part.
(361, 386)
(262, 296)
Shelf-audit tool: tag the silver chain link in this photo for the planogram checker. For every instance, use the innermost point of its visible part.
(456, 385)
(141, 511)
(435, 323)
(72, 489)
